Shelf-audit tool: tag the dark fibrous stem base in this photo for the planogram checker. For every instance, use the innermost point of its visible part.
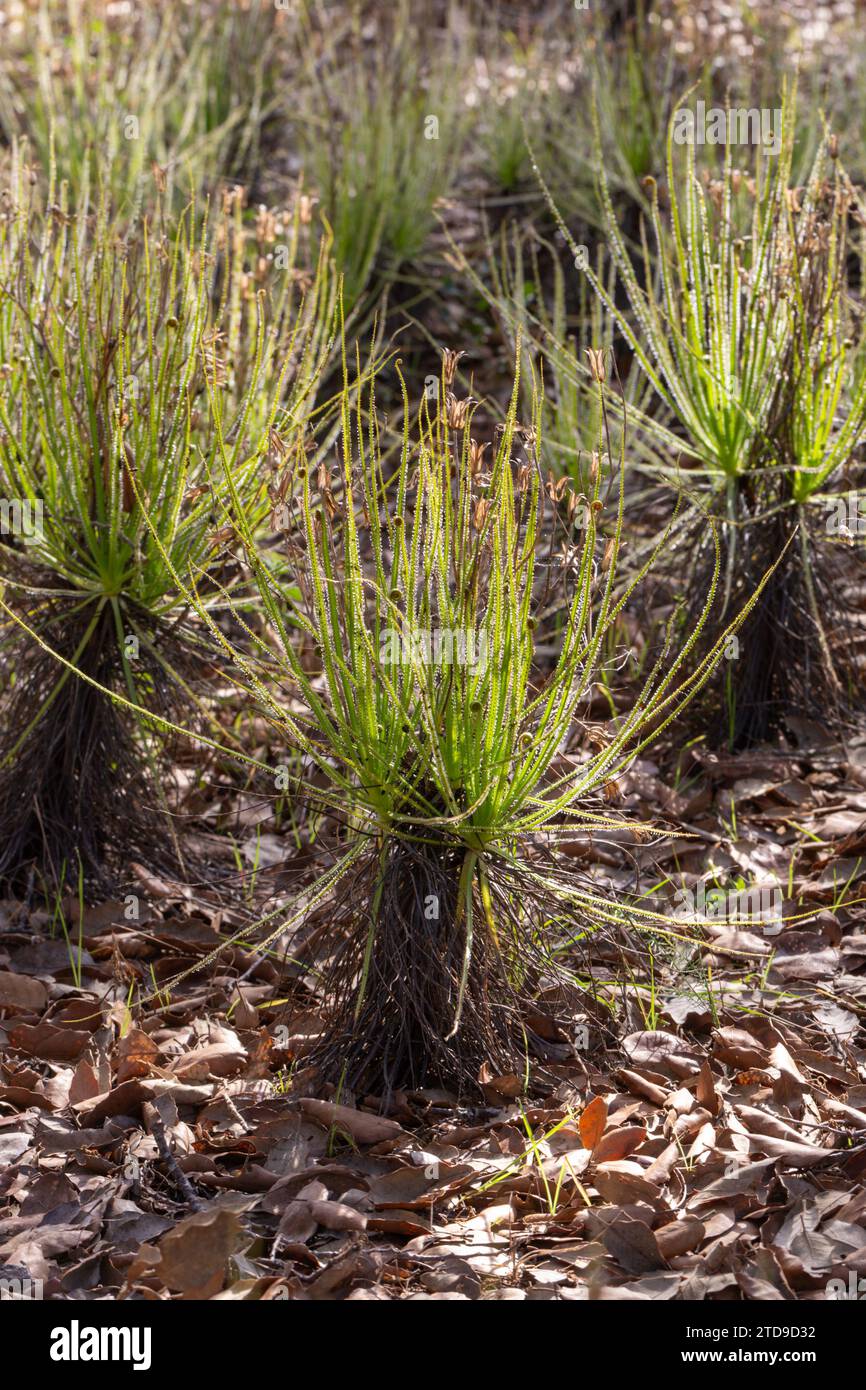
(784, 663)
(402, 1034)
(78, 800)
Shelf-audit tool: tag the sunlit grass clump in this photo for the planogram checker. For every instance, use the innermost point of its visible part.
(112, 461)
(739, 318)
(380, 130)
(426, 722)
(107, 92)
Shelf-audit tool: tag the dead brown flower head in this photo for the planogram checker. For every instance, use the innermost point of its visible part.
(476, 457)
(449, 365)
(457, 412)
(595, 358)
